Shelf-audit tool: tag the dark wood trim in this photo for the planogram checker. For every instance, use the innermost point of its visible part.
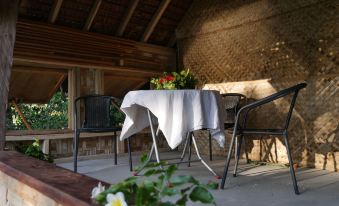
(61, 185)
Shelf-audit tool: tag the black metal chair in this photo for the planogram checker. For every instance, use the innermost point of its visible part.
(97, 118)
(231, 104)
(242, 131)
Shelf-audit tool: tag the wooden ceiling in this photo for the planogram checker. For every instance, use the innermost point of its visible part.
(152, 21)
(130, 39)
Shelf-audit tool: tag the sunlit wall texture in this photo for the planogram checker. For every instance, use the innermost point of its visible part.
(260, 47)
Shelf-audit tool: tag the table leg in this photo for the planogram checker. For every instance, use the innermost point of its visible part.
(154, 137)
(202, 161)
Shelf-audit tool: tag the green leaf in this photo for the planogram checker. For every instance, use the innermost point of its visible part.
(152, 172)
(183, 179)
(166, 204)
(169, 191)
(101, 198)
(212, 185)
(170, 171)
(185, 190)
(182, 201)
(201, 194)
(143, 158)
(149, 185)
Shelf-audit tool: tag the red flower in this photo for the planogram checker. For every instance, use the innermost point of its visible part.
(161, 80)
(169, 78)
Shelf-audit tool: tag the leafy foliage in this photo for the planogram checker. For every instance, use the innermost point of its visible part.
(40, 116)
(34, 150)
(158, 184)
(174, 80)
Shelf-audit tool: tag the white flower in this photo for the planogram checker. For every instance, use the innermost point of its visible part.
(97, 190)
(116, 200)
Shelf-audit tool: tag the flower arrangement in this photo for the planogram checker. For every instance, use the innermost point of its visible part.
(174, 80)
(155, 188)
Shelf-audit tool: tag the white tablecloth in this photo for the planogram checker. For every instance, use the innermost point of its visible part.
(178, 112)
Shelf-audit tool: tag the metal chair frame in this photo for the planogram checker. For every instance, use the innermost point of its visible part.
(236, 107)
(84, 128)
(249, 131)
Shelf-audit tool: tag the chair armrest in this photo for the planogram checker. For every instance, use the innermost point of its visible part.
(268, 99)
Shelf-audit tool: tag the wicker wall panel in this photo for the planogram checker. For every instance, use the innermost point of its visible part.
(260, 47)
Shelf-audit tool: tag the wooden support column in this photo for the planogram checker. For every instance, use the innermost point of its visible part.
(8, 19)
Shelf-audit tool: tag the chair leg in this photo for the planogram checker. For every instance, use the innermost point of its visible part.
(294, 180)
(115, 148)
(129, 155)
(227, 163)
(245, 150)
(75, 151)
(189, 149)
(210, 145)
(237, 157)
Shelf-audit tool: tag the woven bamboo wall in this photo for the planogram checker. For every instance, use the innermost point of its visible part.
(260, 47)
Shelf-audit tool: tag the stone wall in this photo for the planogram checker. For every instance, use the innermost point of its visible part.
(16, 193)
(260, 47)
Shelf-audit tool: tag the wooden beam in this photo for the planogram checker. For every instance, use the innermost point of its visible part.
(39, 45)
(155, 19)
(92, 15)
(22, 116)
(8, 19)
(132, 6)
(55, 11)
(28, 69)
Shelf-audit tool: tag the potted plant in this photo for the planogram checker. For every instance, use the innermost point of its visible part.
(155, 188)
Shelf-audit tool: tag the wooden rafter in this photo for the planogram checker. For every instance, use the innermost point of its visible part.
(92, 15)
(140, 85)
(22, 116)
(155, 19)
(127, 16)
(55, 11)
(172, 40)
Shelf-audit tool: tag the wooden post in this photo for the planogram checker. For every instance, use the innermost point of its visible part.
(8, 19)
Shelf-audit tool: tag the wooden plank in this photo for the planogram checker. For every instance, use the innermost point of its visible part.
(92, 15)
(57, 134)
(22, 116)
(55, 11)
(99, 81)
(28, 69)
(43, 47)
(8, 19)
(131, 8)
(155, 19)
